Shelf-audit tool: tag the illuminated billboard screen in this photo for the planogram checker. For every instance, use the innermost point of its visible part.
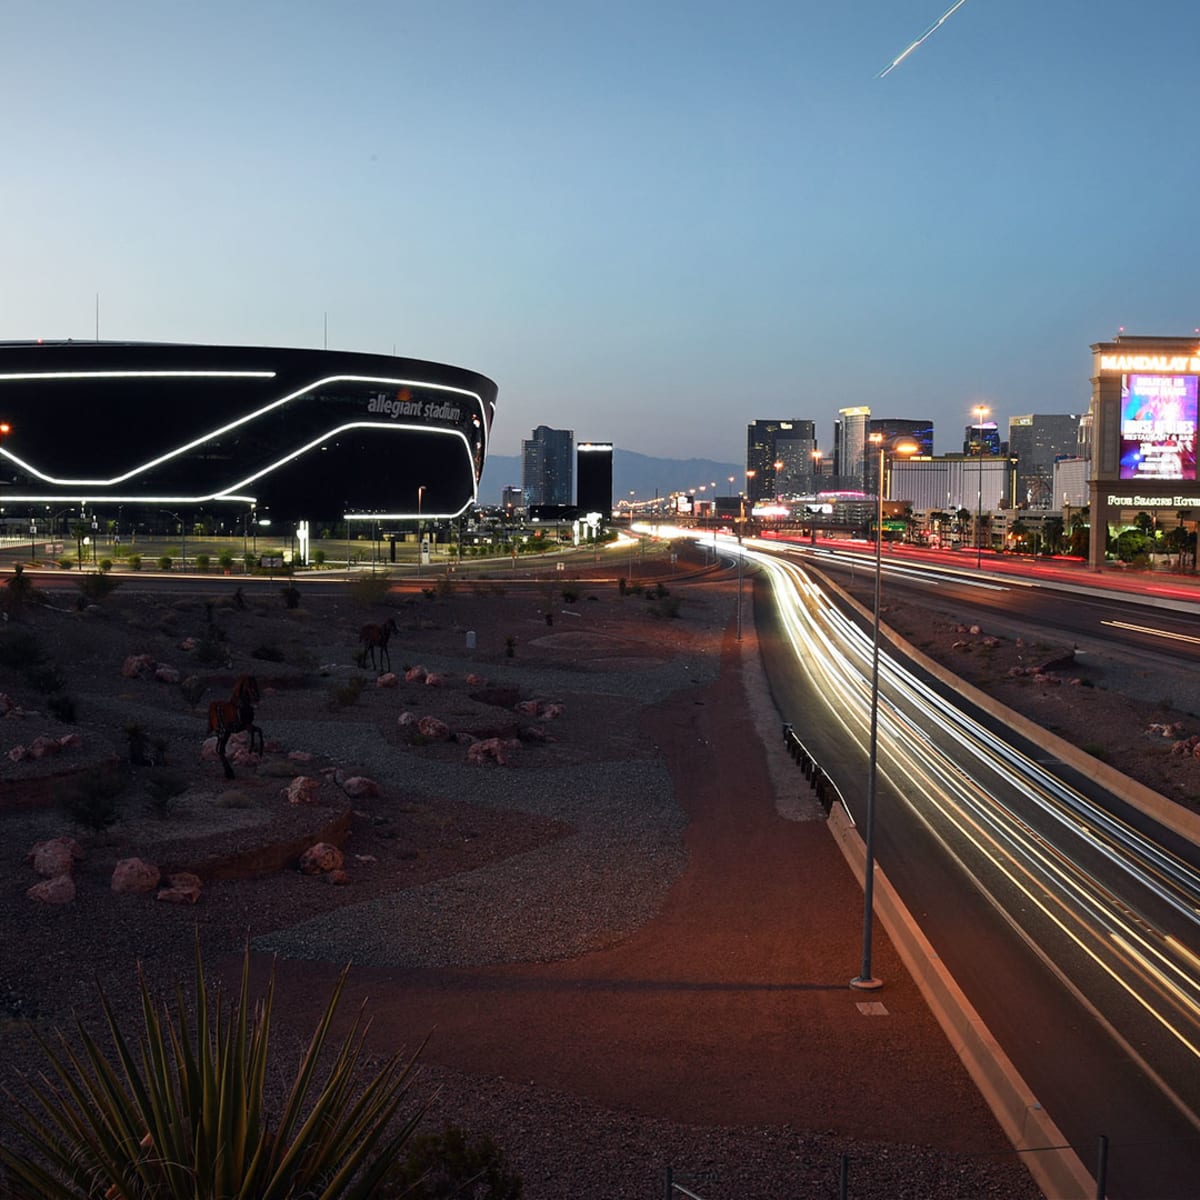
(1158, 427)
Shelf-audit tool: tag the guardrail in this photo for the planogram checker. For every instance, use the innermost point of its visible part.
(826, 790)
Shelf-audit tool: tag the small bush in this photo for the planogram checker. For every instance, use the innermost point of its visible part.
(162, 788)
(428, 592)
(202, 561)
(89, 800)
(209, 650)
(135, 562)
(569, 595)
(370, 590)
(17, 589)
(20, 650)
(452, 1166)
(106, 565)
(318, 558)
(225, 560)
(666, 608)
(234, 799)
(45, 678)
(61, 708)
(267, 653)
(291, 597)
(192, 688)
(66, 562)
(510, 647)
(343, 695)
(250, 559)
(95, 587)
(164, 562)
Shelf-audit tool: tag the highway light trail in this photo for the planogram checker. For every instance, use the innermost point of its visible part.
(1162, 633)
(1045, 855)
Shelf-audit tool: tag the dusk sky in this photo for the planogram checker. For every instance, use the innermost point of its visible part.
(648, 222)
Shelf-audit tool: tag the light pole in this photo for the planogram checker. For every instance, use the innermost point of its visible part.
(420, 498)
(750, 474)
(865, 981)
(980, 412)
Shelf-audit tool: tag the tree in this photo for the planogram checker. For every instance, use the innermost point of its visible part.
(1052, 531)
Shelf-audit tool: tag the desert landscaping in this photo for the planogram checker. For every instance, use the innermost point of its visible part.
(505, 731)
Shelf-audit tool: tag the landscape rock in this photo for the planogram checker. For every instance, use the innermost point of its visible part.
(359, 786)
(338, 877)
(56, 856)
(433, 728)
(184, 888)
(388, 680)
(414, 674)
(132, 876)
(304, 789)
(138, 666)
(495, 750)
(433, 679)
(320, 858)
(59, 890)
(166, 674)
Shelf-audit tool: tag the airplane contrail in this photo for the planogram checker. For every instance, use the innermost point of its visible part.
(927, 34)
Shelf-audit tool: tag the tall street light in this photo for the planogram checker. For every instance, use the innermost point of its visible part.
(420, 497)
(741, 534)
(980, 412)
(865, 981)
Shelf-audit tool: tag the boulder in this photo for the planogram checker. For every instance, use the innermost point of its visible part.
(320, 858)
(474, 680)
(17, 753)
(57, 856)
(133, 876)
(303, 790)
(527, 708)
(166, 674)
(41, 747)
(389, 679)
(550, 711)
(414, 674)
(495, 750)
(338, 877)
(59, 890)
(433, 679)
(138, 666)
(69, 741)
(359, 786)
(183, 888)
(300, 756)
(433, 728)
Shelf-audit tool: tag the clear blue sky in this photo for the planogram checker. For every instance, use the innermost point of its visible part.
(647, 221)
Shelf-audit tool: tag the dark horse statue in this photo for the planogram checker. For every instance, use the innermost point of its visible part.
(371, 636)
(235, 715)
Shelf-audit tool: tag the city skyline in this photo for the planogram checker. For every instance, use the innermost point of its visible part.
(655, 224)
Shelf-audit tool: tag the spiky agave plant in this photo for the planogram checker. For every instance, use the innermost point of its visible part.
(184, 1113)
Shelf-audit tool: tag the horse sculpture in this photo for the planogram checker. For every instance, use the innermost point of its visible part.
(235, 715)
(372, 636)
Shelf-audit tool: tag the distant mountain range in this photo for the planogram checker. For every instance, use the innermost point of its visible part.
(637, 473)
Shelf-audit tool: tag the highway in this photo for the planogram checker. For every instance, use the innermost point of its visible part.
(1072, 930)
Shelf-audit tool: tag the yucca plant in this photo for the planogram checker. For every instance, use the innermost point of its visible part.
(184, 1113)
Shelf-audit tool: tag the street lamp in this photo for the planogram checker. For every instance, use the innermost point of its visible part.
(750, 474)
(420, 498)
(980, 412)
(865, 981)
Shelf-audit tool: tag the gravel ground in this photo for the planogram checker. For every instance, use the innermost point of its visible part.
(570, 852)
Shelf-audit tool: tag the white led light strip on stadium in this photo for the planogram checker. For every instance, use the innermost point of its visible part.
(274, 404)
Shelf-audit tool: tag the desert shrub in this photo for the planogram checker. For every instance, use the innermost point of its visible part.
(267, 653)
(318, 558)
(89, 800)
(225, 560)
(106, 565)
(622, 583)
(660, 591)
(192, 688)
(445, 587)
(189, 1112)
(667, 607)
(370, 589)
(428, 592)
(510, 647)
(343, 695)
(135, 562)
(291, 596)
(95, 587)
(45, 678)
(209, 650)
(61, 708)
(570, 595)
(451, 1165)
(144, 750)
(162, 789)
(165, 561)
(66, 562)
(20, 649)
(18, 590)
(250, 559)
(202, 562)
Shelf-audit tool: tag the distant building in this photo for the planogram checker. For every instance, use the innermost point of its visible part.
(893, 430)
(1036, 441)
(952, 482)
(850, 448)
(512, 499)
(1070, 483)
(982, 437)
(547, 466)
(772, 441)
(594, 461)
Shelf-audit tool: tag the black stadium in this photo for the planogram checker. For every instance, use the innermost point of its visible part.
(317, 435)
